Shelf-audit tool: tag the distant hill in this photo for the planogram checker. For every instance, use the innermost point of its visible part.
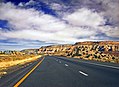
(99, 43)
(107, 51)
(29, 51)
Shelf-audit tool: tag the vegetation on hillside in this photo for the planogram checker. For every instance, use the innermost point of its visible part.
(105, 51)
(14, 60)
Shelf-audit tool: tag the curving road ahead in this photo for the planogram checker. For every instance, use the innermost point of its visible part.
(53, 71)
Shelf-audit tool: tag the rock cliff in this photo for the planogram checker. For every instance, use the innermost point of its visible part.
(106, 51)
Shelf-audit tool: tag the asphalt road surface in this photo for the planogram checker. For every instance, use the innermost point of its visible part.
(53, 71)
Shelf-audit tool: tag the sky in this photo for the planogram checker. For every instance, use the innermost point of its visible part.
(34, 23)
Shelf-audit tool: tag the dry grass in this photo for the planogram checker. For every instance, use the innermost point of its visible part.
(6, 58)
(7, 61)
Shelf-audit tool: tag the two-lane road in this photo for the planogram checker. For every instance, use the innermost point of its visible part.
(53, 71)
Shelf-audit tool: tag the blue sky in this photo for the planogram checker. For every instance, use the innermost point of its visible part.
(35, 23)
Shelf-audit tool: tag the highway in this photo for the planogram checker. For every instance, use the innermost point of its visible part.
(53, 71)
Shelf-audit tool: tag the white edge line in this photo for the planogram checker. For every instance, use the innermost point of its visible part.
(102, 65)
(83, 73)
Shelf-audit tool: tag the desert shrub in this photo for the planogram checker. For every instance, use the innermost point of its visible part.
(79, 55)
(87, 56)
(95, 56)
(83, 49)
(87, 51)
(113, 58)
(73, 55)
(99, 57)
(83, 53)
(68, 54)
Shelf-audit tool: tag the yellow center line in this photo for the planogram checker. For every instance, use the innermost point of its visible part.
(21, 80)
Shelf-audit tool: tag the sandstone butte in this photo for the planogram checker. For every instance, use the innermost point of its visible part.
(106, 51)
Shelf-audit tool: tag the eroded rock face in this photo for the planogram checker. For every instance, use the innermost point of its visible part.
(101, 51)
(56, 50)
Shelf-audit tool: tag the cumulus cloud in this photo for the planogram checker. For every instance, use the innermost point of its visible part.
(111, 10)
(85, 17)
(32, 25)
(110, 31)
(56, 6)
(108, 7)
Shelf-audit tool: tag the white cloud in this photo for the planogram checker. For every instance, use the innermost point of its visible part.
(56, 6)
(30, 24)
(110, 31)
(30, 2)
(29, 19)
(85, 17)
(111, 10)
(20, 4)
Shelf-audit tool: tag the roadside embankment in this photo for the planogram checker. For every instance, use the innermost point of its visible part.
(10, 63)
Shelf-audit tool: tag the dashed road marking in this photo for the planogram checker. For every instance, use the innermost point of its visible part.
(66, 65)
(83, 73)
